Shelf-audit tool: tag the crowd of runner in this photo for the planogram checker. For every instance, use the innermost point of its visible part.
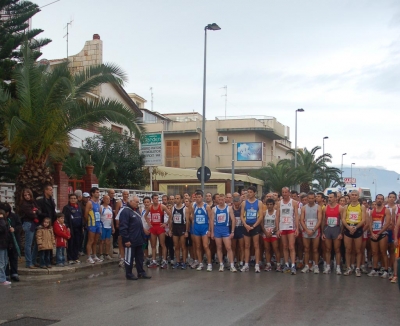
(286, 232)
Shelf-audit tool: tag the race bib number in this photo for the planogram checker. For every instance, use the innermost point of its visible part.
(286, 220)
(97, 216)
(311, 223)
(221, 218)
(332, 221)
(353, 217)
(376, 225)
(251, 214)
(200, 219)
(177, 218)
(271, 230)
(286, 223)
(156, 217)
(238, 221)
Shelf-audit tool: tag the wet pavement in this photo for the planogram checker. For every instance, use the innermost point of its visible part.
(177, 297)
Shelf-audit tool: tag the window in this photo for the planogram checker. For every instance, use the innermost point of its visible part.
(116, 129)
(172, 154)
(195, 147)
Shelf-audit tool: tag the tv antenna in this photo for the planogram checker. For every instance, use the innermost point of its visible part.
(226, 97)
(67, 35)
(152, 98)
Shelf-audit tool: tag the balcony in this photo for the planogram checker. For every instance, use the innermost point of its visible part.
(174, 127)
(224, 163)
(267, 126)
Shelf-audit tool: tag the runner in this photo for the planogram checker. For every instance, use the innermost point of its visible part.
(287, 223)
(379, 222)
(146, 230)
(238, 237)
(299, 239)
(180, 231)
(209, 199)
(201, 231)
(92, 217)
(251, 216)
(269, 236)
(394, 210)
(397, 245)
(107, 228)
(221, 215)
(332, 232)
(155, 219)
(353, 219)
(311, 216)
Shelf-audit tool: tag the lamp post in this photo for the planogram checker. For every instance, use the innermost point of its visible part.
(323, 146)
(341, 169)
(295, 139)
(211, 27)
(351, 172)
(375, 183)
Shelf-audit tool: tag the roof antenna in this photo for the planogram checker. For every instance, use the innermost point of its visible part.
(66, 35)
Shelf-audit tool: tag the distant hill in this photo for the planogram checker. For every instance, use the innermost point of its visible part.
(386, 181)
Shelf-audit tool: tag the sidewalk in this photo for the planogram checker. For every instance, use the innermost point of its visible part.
(22, 270)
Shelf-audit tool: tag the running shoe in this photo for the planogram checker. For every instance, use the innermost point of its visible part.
(6, 283)
(71, 262)
(394, 279)
(257, 269)
(293, 270)
(194, 265)
(268, 268)
(209, 268)
(153, 264)
(183, 265)
(384, 275)
(244, 268)
(90, 260)
(176, 265)
(97, 259)
(338, 271)
(364, 270)
(348, 271)
(305, 269)
(221, 268)
(327, 269)
(316, 269)
(200, 267)
(286, 269)
(101, 257)
(373, 273)
(278, 268)
(108, 257)
(233, 269)
(164, 265)
(358, 272)
(77, 261)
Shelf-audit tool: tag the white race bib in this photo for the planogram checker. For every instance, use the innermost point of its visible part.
(97, 216)
(376, 225)
(332, 221)
(221, 218)
(177, 218)
(311, 223)
(156, 217)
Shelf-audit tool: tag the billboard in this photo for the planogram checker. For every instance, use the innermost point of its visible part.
(151, 148)
(249, 151)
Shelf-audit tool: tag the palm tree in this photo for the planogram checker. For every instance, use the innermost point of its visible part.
(49, 106)
(312, 167)
(277, 176)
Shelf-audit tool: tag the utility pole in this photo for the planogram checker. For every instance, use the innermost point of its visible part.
(226, 97)
(67, 35)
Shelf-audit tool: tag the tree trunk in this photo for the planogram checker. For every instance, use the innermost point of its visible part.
(33, 175)
(305, 187)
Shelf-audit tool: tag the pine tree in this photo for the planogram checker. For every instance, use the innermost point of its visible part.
(14, 30)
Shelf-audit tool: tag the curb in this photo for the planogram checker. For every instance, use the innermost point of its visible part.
(65, 270)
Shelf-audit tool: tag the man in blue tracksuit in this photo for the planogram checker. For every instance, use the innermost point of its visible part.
(132, 234)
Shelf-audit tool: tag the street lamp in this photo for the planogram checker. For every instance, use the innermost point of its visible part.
(341, 170)
(295, 139)
(211, 27)
(351, 172)
(323, 146)
(375, 183)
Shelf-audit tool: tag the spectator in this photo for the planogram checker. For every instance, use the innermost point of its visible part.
(107, 228)
(131, 231)
(78, 194)
(62, 235)
(47, 204)
(15, 222)
(29, 213)
(73, 218)
(113, 203)
(45, 241)
(5, 239)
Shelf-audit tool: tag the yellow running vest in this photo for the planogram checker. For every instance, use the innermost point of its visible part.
(353, 214)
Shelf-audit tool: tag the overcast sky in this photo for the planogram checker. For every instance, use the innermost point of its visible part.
(339, 60)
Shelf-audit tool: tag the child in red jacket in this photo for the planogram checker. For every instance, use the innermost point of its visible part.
(62, 235)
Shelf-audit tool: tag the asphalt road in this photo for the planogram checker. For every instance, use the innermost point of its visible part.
(176, 297)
